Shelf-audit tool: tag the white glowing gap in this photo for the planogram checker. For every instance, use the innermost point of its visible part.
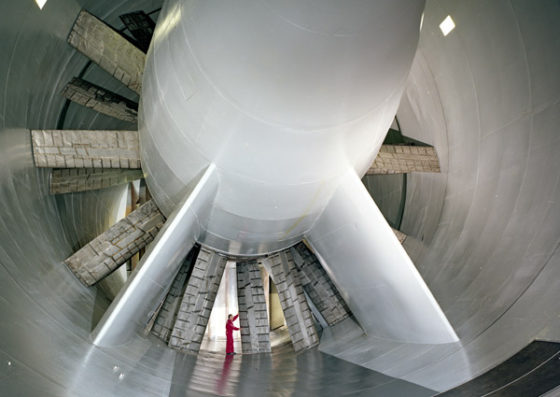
(447, 25)
(41, 3)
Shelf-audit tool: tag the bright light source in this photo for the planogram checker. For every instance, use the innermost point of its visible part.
(447, 25)
(421, 21)
(40, 3)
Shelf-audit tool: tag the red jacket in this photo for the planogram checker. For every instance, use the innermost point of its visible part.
(230, 327)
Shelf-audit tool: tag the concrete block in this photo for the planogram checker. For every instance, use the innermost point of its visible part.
(398, 159)
(100, 249)
(108, 49)
(197, 302)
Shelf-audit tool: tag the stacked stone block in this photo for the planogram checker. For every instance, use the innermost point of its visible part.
(73, 180)
(319, 287)
(111, 249)
(401, 159)
(400, 235)
(197, 302)
(167, 314)
(294, 305)
(85, 149)
(253, 315)
(107, 48)
(101, 100)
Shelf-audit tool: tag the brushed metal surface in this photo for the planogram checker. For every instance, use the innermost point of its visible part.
(484, 233)
(283, 98)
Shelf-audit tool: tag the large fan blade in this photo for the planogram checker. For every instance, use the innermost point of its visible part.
(405, 158)
(106, 47)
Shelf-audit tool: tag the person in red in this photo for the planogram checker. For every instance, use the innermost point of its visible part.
(229, 333)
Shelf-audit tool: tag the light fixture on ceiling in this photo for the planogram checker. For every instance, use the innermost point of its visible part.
(447, 25)
(41, 3)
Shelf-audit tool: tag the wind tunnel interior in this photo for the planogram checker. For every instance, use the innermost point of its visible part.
(484, 233)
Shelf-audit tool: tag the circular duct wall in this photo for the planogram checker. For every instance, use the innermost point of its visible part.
(484, 233)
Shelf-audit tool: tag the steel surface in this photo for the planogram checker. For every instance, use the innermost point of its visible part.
(484, 234)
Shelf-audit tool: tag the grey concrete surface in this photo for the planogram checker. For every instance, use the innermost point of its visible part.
(484, 233)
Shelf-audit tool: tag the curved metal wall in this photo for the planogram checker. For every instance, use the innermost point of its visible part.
(484, 234)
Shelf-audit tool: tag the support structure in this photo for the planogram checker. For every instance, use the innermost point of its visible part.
(74, 180)
(319, 287)
(405, 158)
(101, 100)
(111, 249)
(298, 316)
(141, 26)
(165, 318)
(197, 301)
(253, 315)
(85, 149)
(107, 48)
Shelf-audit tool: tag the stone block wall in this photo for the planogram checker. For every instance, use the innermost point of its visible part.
(197, 302)
(319, 287)
(111, 249)
(108, 49)
(400, 159)
(298, 316)
(73, 180)
(85, 149)
(167, 315)
(101, 100)
(253, 315)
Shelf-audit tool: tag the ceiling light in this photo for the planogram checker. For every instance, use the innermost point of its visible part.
(447, 25)
(40, 3)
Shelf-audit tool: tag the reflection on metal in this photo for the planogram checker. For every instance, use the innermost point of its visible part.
(277, 318)
(132, 308)
(73, 180)
(447, 25)
(101, 100)
(496, 239)
(279, 158)
(108, 49)
(373, 272)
